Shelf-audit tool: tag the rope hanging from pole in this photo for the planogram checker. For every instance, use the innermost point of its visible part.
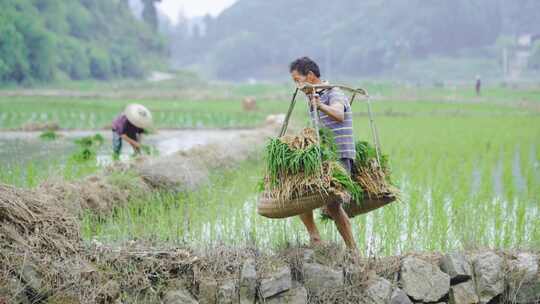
(285, 124)
(358, 91)
(374, 132)
(314, 114)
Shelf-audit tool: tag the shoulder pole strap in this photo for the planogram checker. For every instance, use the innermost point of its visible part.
(314, 115)
(289, 112)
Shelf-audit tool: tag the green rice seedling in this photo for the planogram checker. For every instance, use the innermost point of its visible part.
(306, 156)
(149, 150)
(90, 141)
(49, 135)
(84, 141)
(282, 160)
(84, 154)
(87, 148)
(328, 144)
(341, 177)
(98, 139)
(366, 152)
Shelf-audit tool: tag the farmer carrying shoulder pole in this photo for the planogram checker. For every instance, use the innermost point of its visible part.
(129, 126)
(334, 113)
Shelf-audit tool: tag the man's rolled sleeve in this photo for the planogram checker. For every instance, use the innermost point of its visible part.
(337, 98)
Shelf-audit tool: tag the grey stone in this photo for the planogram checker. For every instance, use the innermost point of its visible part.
(178, 296)
(13, 290)
(227, 293)
(379, 291)
(248, 282)
(399, 297)
(296, 295)
(423, 281)
(309, 256)
(524, 279)
(208, 289)
(31, 277)
(276, 282)
(457, 267)
(318, 278)
(355, 274)
(463, 293)
(489, 278)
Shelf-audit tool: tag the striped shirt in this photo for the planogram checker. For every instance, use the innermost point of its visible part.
(343, 131)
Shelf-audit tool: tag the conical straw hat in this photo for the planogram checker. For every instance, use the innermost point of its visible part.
(139, 116)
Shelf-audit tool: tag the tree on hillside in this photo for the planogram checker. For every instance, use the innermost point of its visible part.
(41, 40)
(149, 13)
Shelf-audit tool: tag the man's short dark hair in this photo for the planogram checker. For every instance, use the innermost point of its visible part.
(305, 65)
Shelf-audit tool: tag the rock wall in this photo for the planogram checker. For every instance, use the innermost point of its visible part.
(328, 274)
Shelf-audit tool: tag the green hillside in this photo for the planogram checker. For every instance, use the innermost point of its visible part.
(45, 40)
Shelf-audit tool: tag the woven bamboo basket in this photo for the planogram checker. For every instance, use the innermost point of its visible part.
(367, 205)
(273, 208)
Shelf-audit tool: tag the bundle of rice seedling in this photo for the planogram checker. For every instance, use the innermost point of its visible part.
(340, 177)
(291, 155)
(374, 178)
(297, 166)
(329, 147)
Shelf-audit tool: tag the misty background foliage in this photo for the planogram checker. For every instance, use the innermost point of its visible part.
(49, 40)
(45, 40)
(256, 38)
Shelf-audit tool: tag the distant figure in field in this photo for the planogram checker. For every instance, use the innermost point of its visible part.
(249, 104)
(478, 85)
(129, 126)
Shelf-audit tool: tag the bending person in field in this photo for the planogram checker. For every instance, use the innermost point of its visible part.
(129, 126)
(335, 114)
